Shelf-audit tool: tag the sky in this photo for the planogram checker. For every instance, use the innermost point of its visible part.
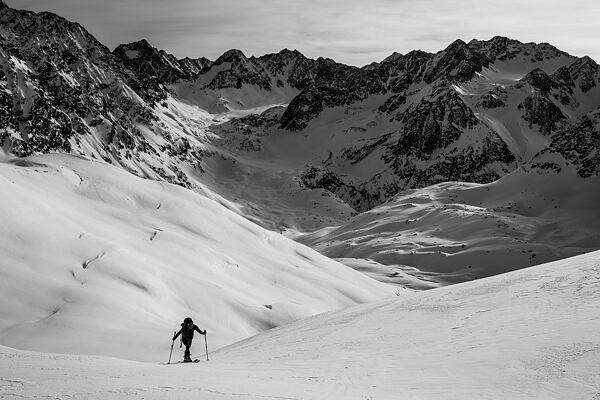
(354, 32)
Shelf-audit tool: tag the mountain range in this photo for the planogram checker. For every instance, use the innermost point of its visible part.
(298, 145)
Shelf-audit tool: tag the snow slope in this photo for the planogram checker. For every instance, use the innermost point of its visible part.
(529, 334)
(98, 261)
(454, 232)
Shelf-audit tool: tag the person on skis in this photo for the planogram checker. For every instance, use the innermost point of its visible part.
(187, 335)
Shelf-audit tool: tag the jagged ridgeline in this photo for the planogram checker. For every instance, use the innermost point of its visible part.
(472, 112)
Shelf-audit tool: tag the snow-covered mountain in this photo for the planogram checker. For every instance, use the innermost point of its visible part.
(296, 144)
(529, 334)
(98, 261)
(150, 63)
(62, 90)
(410, 121)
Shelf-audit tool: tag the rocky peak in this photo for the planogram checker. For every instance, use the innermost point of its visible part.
(284, 54)
(392, 57)
(549, 50)
(456, 45)
(135, 53)
(150, 63)
(586, 72)
(195, 65)
(501, 48)
(414, 61)
(231, 56)
(141, 45)
(3, 5)
(498, 47)
(290, 53)
(586, 60)
(146, 61)
(404, 70)
(458, 61)
(583, 64)
(502, 40)
(276, 62)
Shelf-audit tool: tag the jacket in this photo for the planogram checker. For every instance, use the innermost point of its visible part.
(187, 331)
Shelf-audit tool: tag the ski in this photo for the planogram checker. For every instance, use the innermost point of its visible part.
(197, 360)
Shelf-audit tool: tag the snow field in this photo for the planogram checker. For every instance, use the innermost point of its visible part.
(528, 334)
(98, 261)
(455, 232)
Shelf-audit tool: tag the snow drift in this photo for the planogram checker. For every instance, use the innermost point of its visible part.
(456, 231)
(528, 334)
(98, 261)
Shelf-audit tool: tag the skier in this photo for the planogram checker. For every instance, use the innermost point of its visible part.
(187, 335)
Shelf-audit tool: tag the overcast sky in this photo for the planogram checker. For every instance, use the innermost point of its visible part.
(351, 31)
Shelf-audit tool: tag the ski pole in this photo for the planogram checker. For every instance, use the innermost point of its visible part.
(171, 353)
(206, 346)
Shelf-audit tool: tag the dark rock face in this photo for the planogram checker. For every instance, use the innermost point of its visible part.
(393, 103)
(585, 71)
(403, 71)
(57, 80)
(328, 84)
(563, 85)
(433, 124)
(243, 75)
(498, 48)
(265, 72)
(491, 100)
(458, 61)
(420, 150)
(575, 140)
(149, 63)
(578, 144)
(583, 74)
(194, 66)
(231, 56)
(541, 111)
(336, 85)
(539, 80)
(246, 133)
(504, 49)
(472, 164)
(323, 178)
(302, 109)
(241, 71)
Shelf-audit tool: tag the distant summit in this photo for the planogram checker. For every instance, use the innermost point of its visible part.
(230, 56)
(148, 62)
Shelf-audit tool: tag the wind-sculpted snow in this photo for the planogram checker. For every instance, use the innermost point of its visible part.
(529, 334)
(456, 232)
(98, 261)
